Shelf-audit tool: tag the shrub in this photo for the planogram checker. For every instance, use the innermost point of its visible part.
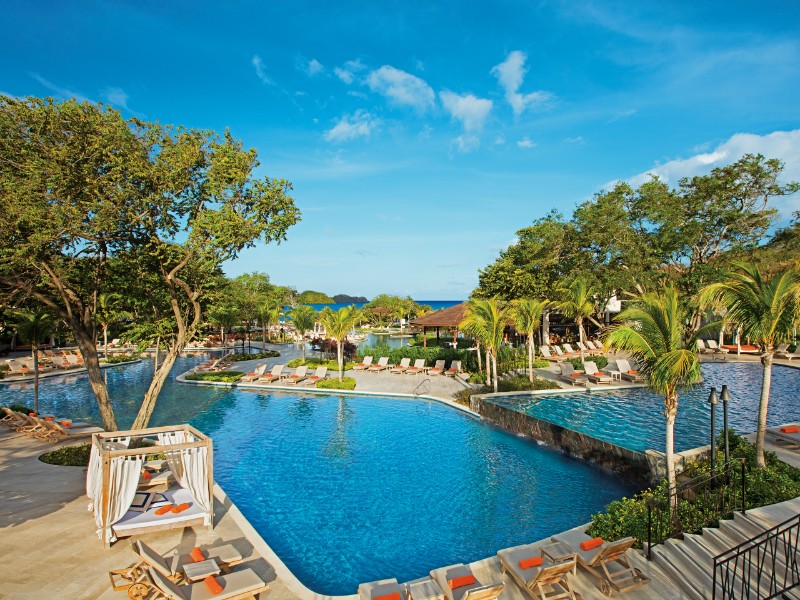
(516, 383)
(431, 355)
(600, 361)
(21, 408)
(119, 358)
(68, 456)
(347, 383)
(224, 376)
(320, 362)
(259, 355)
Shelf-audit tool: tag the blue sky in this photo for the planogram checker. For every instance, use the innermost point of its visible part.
(421, 136)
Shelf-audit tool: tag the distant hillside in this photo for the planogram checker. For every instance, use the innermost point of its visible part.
(312, 297)
(345, 299)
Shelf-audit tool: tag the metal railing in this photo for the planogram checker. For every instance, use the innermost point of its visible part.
(697, 503)
(765, 566)
(423, 388)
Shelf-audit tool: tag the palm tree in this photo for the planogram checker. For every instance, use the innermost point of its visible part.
(486, 320)
(527, 314)
(108, 311)
(577, 303)
(303, 317)
(655, 331)
(34, 327)
(337, 325)
(765, 310)
(225, 317)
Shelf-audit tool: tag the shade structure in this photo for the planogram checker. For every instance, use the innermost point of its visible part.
(447, 317)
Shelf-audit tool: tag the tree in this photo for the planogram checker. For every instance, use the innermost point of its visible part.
(303, 317)
(526, 313)
(312, 297)
(224, 317)
(487, 320)
(337, 325)
(79, 185)
(35, 327)
(654, 331)
(577, 302)
(108, 310)
(766, 309)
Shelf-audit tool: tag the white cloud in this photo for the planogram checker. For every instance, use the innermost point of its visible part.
(526, 142)
(348, 71)
(314, 67)
(116, 96)
(510, 74)
(468, 109)
(357, 94)
(499, 140)
(783, 145)
(60, 92)
(350, 127)
(401, 88)
(467, 142)
(260, 71)
(575, 140)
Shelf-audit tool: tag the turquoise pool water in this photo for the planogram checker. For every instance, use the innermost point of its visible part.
(353, 489)
(634, 418)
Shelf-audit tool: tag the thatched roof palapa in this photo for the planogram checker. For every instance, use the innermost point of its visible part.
(447, 317)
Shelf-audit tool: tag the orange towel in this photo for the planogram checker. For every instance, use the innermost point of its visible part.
(146, 476)
(164, 509)
(533, 561)
(392, 596)
(574, 374)
(591, 544)
(181, 507)
(213, 584)
(66, 423)
(461, 581)
(32, 415)
(790, 429)
(633, 372)
(197, 555)
(49, 418)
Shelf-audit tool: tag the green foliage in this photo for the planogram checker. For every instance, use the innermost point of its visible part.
(431, 355)
(224, 376)
(515, 383)
(312, 297)
(600, 361)
(21, 408)
(347, 383)
(461, 342)
(119, 358)
(319, 362)
(68, 456)
(257, 356)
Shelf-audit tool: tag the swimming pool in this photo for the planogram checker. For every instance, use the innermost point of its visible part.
(353, 489)
(634, 418)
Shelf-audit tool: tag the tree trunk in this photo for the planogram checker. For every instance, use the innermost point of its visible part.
(478, 352)
(95, 373)
(530, 355)
(763, 405)
(158, 348)
(36, 377)
(340, 358)
(263, 336)
(105, 342)
(494, 370)
(670, 411)
(488, 368)
(580, 338)
(303, 345)
(150, 397)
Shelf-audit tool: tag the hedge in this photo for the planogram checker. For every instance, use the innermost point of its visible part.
(225, 376)
(347, 383)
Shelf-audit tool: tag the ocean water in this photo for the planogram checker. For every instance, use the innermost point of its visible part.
(435, 304)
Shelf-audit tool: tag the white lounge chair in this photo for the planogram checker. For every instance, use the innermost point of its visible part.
(627, 372)
(594, 375)
(320, 374)
(404, 365)
(364, 365)
(275, 375)
(381, 589)
(242, 583)
(448, 579)
(786, 433)
(545, 352)
(296, 377)
(455, 369)
(383, 363)
(437, 369)
(257, 372)
(419, 366)
(783, 352)
(570, 375)
(702, 348)
(542, 581)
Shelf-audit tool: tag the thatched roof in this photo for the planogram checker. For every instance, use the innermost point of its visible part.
(447, 317)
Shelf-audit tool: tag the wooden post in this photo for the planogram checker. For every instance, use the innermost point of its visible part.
(210, 467)
(424, 337)
(105, 498)
(455, 335)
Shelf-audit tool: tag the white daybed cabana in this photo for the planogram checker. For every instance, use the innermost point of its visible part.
(115, 472)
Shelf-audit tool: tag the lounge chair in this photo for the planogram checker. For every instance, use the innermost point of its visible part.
(570, 375)
(405, 363)
(587, 350)
(225, 556)
(786, 433)
(74, 359)
(547, 580)
(472, 589)
(558, 351)
(276, 374)
(364, 365)
(257, 372)
(594, 375)
(598, 345)
(608, 561)
(235, 586)
(61, 362)
(383, 363)
(455, 369)
(627, 372)
(320, 374)
(11, 419)
(437, 369)
(382, 588)
(545, 352)
(716, 348)
(783, 352)
(54, 431)
(418, 367)
(569, 351)
(702, 348)
(296, 377)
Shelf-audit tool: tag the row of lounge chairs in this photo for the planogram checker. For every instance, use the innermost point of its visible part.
(62, 361)
(555, 353)
(619, 368)
(300, 375)
(46, 427)
(405, 367)
(542, 572)
(160, 577)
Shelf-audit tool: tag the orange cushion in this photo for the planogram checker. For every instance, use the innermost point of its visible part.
(66, 423)
(49, 418)
(146, 476)
(461, 581)
(251, 374)
(633, 372)
(180, 508)
(213, 584)
(533, 561)
(591, 544)
(574, 374)
(164, 509)
(392, 596)
(197, 555)
(32, 415)
(790, 429)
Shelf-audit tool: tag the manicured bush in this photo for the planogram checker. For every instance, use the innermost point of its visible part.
(21, 408)
(516, 383)
(68, 456)
(119, 358)
(347, 383)
(265, 354)
(600, 361)
(431, 355)
(224, 376)
(320, 362)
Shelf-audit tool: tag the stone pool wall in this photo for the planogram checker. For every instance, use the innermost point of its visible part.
(646, 467)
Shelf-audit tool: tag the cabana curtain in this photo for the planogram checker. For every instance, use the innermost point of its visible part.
(94, 483)
(188, 466)
(123, 481)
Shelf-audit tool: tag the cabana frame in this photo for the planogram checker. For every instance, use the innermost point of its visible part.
(109, 449)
